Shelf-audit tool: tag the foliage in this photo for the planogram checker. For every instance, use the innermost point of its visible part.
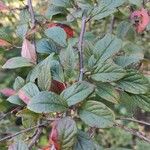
(71, 70)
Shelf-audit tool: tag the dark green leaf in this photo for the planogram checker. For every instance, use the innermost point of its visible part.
(125, 61)
(77, 92)
(44, 77)
(105, 8)
(54, 10)
(107, 72)
(107, 47)
(46, 46)
(84, 142)
(58, 35)
(142, 101)
(107, 92)
(134, 82)
(96, 114)
(46, 102)
(62, 3)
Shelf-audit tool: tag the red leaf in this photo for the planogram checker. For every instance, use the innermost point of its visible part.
(53, 139)
(8, 92)
(67, 29)
(4, 43)
(57, 86)
(23, 97)
(141, 19)
(3, 6)
(28, 51)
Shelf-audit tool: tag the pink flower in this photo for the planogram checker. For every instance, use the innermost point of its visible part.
(141, 19)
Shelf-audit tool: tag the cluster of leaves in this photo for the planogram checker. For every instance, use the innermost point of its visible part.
(50, 87)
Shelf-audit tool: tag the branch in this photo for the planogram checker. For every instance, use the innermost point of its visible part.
(23, 131)
(36, 137)
(33, 21)
(135, 120)
(133, 132)
(80, 47)
(112, 24)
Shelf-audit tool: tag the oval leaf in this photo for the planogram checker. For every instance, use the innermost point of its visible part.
(77, 92)
(107, 92)
(134, 82)
(17, 62)
(46, 102)
(28, 51)
(58, 35)
(96, 114)
(107, 72)
(63, 134)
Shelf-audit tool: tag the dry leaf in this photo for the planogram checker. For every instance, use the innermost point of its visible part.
(4, 43)
(8, 92)
(28, 51)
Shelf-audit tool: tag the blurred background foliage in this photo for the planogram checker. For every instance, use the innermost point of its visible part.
(15, 22)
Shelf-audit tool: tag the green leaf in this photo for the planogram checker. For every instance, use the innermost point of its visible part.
(46, 102)
(22, 30)
(16, 62)
(28, 91)
(24, 16)
(107, 47)
(19, 145)
(125, 61)
(14, 99)
(62, 3)
(96, 114)
(54, 10)
(65, 131)
(134, 82)
(68, 60)
(122, 29)
(44, 77)
(107, 72)
(5, 34)
(33, 75)
(142, 101)
(136, 2)
(107, 92)
(58, 35)
(46, 46)
(19, 83)
(27, 116)
(84, 142)
(77, 92)
(105, 8)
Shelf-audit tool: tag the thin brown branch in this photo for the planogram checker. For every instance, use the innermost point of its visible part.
(31, 11)
(135, 120)
(36, 137)
(23, 131)
(112, 24)
(133, 132)
(80, 47)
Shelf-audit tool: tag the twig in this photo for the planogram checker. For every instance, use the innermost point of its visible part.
(33, 21)
(135, 120)
(133, 132)
(80, 47)
(36, 137)
(112, 24)
(22, 131)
